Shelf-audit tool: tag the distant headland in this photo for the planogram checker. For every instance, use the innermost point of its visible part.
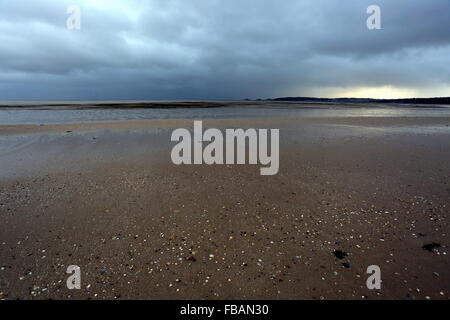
(440, 100)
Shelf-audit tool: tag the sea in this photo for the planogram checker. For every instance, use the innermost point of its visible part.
(38, 116)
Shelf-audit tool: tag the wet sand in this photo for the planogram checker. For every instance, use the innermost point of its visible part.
(106, 197)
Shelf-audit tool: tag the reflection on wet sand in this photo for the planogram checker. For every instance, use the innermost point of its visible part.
(105, 196)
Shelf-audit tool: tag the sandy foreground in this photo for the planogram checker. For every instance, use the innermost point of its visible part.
(351, 192)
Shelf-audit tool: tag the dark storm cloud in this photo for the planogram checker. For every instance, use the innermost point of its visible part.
(206, 49)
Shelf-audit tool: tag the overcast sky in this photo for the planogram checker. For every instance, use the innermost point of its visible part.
(216, 49)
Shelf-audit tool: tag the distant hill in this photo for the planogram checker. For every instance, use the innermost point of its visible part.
(444, 100)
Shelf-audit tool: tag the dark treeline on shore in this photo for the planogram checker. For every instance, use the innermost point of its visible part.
(442, 100)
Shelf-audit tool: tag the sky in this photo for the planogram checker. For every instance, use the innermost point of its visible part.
(215, 49)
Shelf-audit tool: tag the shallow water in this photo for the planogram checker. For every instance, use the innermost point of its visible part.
(65, 116)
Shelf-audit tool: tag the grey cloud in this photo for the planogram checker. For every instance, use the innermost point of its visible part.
(207, 49)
